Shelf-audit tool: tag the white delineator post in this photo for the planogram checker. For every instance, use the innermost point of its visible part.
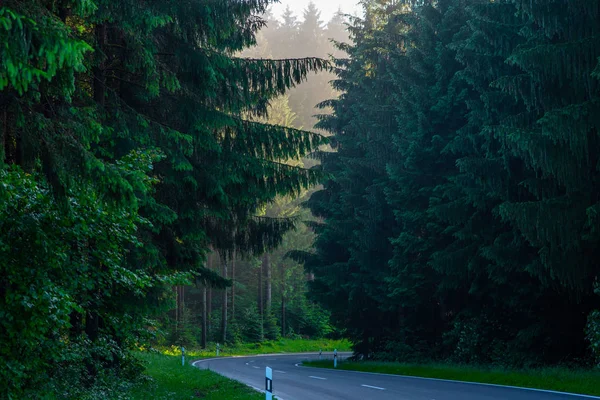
(182, 356)
(335, 358)
(320, 352)
(218, 347)
(269, 383)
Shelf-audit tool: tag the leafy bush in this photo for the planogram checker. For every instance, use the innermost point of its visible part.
(593, 334)
(593, 330)
(66, 270)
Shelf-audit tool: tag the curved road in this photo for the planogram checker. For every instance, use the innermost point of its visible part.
(291, 381)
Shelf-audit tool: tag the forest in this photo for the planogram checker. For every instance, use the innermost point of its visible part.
(460, 215)
(422, 179)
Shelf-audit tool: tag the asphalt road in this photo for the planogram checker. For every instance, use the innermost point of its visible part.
(291, 381)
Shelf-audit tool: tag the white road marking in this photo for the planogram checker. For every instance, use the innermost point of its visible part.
(297, 365)
(373, 387)
(281, 372)
(318, 377)
(247, 364)
(255, 367)
(263, 391)
(252, 361)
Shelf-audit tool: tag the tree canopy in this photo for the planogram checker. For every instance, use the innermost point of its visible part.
(127, 151)
(460, 219)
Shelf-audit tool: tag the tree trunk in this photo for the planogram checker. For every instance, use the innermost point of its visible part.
(283, 282)
(283, 333)
(204, 317)
(260, 290)
(233, 286)
(209, 295)
(224, 305)
(176, 308)
(181, 307)
(268, 281)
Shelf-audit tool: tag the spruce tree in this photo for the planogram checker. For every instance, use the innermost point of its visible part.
(129, 120)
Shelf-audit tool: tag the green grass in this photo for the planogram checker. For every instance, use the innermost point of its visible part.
(268, 347)
(170, 380)
(559, 379)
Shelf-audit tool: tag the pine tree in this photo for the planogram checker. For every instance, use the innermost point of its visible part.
(141, 157)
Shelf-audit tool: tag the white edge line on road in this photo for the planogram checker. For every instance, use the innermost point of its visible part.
(281, 372)
(263, 391)
(254, 366)
(373, 387)
(581, 396)
(318, 377)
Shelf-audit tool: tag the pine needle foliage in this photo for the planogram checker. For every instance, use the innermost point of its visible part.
(460, 218)
(129, 147)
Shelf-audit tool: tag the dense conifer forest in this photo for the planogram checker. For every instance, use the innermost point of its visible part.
(165, 180)
(460, 217)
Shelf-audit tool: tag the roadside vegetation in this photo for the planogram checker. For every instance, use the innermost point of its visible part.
(562, 379)
(268, 347)
(165, 378)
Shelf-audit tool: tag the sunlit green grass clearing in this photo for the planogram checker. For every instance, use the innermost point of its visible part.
(268, 347)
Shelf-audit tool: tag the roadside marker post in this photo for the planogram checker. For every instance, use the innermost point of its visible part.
(335, 358)
(269, 383)
(182, 356)
(320, 352)
(218, 348)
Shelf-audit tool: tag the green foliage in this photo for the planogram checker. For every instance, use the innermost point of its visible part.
(271, 329)
(593, 330)
(166, 379)
(54, 264)
(128, 149)
(252, 325)
(459, 220)
(283, 345)
(593, 334)
(33, 51)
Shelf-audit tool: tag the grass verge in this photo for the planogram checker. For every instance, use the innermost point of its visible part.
(268, 347)
(556, 378)
(167, 379)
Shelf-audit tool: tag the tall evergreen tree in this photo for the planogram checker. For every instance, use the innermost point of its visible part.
(489, 109)
(150, 160)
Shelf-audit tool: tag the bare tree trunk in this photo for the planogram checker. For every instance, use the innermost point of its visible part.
(181, 307)
(267, 267)
(204, 319)
(224, 305)
(209, 295)
(283, 282)
(283, 333)
(233, 286)
(260, 290)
